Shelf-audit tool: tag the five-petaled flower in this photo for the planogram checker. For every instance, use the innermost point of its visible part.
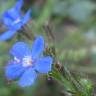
(14, 20)
(26, 62)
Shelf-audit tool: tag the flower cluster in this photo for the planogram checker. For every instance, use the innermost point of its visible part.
(26, 62)
(14, 20)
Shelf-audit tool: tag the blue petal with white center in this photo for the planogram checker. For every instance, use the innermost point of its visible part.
(10, 16)
(14, 20)
(30, 62)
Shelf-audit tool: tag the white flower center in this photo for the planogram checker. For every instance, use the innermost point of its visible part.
(27, 61)
(16, 59)
(16, 21)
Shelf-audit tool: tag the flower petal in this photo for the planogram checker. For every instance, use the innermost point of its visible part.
(44, 65)
(10, 16)
(14, 70)
(38, 47)
(7, 35)
(19, 4)
(27, 16)
(17, 26)
(28, 78)
(19, 50)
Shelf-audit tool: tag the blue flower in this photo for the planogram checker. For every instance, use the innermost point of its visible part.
(26, 62)
(14, 20)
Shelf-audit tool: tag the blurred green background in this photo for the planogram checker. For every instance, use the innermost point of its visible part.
(73, 24)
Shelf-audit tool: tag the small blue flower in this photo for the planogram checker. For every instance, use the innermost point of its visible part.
(26, 62)
(14, 20)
